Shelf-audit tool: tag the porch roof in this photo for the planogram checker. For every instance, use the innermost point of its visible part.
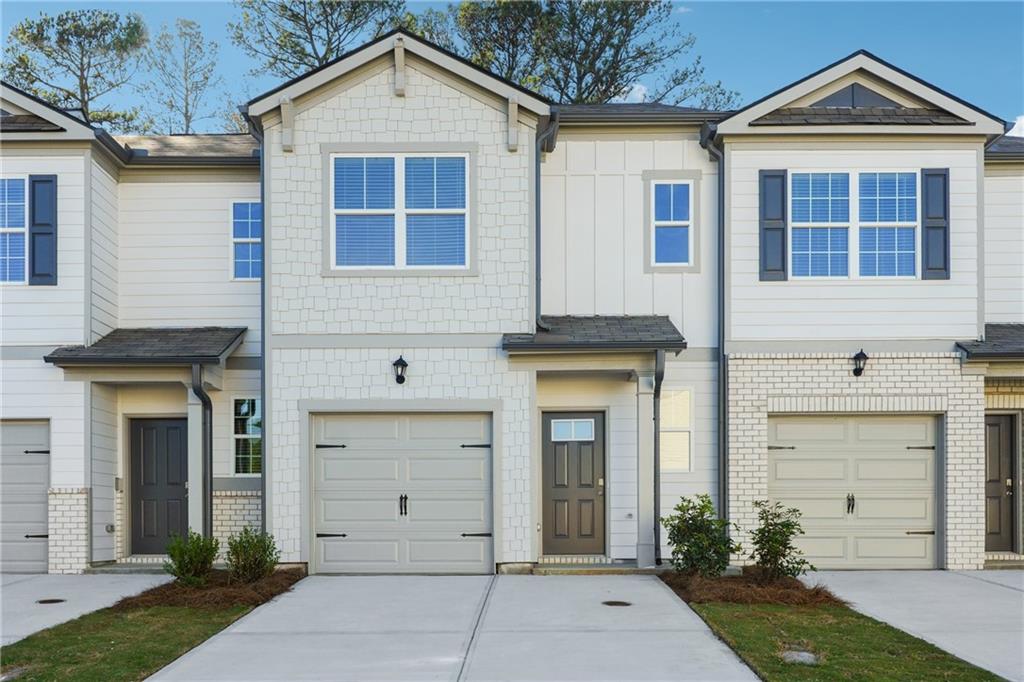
(599, 333)
(1002, 342)
(153, 346)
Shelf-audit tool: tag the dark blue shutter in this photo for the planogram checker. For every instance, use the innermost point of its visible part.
(935, 223)
(42, 229)
(772, 224)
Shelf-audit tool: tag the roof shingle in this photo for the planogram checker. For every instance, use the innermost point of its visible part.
(600, 332)
(1002, 341)
(152, 346)
(797, 116)
(27, 123)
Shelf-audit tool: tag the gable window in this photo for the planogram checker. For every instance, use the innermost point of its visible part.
(674, 434)
(13, 221)
(820, 218)
(248, 436)
(672, 234)
(246, 232)
(401, 211)
(888, 224)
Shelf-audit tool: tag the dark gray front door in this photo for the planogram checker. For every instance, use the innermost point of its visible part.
(159, 474)
(573, 455)
(999, 445)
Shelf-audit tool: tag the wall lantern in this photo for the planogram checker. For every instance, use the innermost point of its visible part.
(859, 362)
(400, 366)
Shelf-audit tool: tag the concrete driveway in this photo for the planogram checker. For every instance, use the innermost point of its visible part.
(975, 615)
(21, 614)
(466, 628)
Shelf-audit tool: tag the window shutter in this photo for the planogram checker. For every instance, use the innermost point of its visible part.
(42, 229)
(935, 223)
(772, 212)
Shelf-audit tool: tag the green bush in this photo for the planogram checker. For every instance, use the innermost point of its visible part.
(700, 540)
(774, 551)
(251, 555)
(191, 558)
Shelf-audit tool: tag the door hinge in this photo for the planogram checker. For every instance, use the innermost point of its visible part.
(42, 535)
(332, 535)
(920, 447)
(320, 446)
(920, 532)
(35, 452)
(476, 535)
(782, 447)
(475, 445)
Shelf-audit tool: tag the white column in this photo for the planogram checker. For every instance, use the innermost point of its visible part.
(195, 461)
(645, 469)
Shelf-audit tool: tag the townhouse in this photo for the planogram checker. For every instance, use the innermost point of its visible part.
(424, 320)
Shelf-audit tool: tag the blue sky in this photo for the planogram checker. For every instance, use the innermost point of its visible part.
(974, 50)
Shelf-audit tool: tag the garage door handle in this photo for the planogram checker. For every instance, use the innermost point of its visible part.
(920, 532)
(320, 446)
(44, 535)
(331, 535)
(35, 452)
(476, 535)
(851, 503)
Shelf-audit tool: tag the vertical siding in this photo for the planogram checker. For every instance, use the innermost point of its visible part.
(1004, 245)
(103, 408)
(103, 297)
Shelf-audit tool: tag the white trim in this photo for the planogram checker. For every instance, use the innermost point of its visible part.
(654, 224)
(689, 429)
(22, 230)
(246, 436)
(232, 240)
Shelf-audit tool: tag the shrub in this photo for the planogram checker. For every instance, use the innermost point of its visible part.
(699, 539)
(191, 558)
(774, 552)
(251, 555)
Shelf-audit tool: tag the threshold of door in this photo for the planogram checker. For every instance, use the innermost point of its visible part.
(1004, 560)
(610, 568)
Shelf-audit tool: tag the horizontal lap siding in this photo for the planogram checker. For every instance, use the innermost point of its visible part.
(104, 263)
(1004, 245)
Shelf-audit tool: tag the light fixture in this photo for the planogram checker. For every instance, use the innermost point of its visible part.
(860, 360)
(400, 366)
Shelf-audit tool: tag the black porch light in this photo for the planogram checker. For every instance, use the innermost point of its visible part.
(400, 366)
(860, 360)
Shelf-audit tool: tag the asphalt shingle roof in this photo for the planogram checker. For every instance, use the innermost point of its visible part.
(798, 116)
(635, 112)
(27, 123)
(600, 332)
(241, 145)
(152, 346)
(1002, 341)
(1006, 148)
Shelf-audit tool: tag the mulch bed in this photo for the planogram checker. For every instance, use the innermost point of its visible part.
(219, 591)
(748, 588)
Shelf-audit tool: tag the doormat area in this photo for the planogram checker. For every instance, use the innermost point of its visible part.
(218, 591)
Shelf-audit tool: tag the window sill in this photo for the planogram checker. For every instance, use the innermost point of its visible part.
(400, 272)
(671, 268)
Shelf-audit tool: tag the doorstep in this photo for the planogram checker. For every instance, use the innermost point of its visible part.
(1004, 560)
(607, 568)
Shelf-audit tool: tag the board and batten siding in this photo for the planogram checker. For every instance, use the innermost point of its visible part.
(104, 265)
(593, 230)
(810, 309)
(1004, 245)
(103, 432)
(175, 258)
(51, 315)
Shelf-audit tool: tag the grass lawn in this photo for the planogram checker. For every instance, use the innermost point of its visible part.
(111, 645)
(850, 646)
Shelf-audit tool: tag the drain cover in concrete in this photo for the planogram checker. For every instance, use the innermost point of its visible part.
(615, 602)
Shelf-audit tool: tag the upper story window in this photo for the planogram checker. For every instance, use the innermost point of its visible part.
(820, 217)
(13, 242)
(400, 211)
(246, 232)
(888, 224)
(672, 238)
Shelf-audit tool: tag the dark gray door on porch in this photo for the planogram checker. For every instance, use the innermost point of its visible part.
(999, 449)
(159, 472)
(573, 460)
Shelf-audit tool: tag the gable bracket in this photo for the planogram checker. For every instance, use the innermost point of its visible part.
(287, 124)
(399, 67)
(513, 124)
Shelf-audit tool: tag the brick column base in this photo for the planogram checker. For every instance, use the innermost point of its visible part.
(69, 530)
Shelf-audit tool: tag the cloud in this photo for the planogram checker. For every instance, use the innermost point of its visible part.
(1018, 128)
(683, 9)
(637, 93)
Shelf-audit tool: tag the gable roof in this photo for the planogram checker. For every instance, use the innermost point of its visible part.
(17, 123)
(599, 333)
(378, 47)
(1006, 148)
(42, 112)
(634, 112)
(153, 346)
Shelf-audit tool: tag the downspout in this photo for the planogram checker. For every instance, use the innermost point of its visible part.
(545, 143)
(204, 398)
(257, 132)
(659, 375)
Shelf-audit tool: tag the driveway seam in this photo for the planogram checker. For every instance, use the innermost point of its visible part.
(471, 644)
(987, 582)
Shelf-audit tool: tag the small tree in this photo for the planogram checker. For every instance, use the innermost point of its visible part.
(182, 64)
(775, 552)
(700, 540)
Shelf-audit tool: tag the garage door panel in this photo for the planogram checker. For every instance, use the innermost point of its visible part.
(819, 549)
(347, 511)
(466, 512)
(909, 431)
(449, 468)
(468, 428)
(809, 469)
(368, 427)
(918, 549)
(430, 554)
(403, 553)
(900, 469)
(814, 429)
(347, 471)
(24, 484)
(814, 509)
(894, 511)
(358, 554)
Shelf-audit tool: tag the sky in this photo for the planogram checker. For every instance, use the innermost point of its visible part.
(974, 50)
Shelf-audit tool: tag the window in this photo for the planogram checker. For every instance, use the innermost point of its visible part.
(13, 242)
(672, 239)
(248, 433)
(572, 429)
(400, 211)
(888, 224)
(820, 200)
(676, 420)
(246, 231)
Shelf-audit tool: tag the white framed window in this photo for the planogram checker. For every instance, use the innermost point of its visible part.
(887, 222)
(400, 211)
(572, 429)
(676, 430)
(820, 224)
(248, 436)
(246, 233)
(671, 224)
(13, 230)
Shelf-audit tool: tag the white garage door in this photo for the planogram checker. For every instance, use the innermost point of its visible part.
(402, 493)
(866, 487)
(24, 479)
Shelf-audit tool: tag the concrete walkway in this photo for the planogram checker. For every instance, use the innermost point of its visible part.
(466, 628)
(21, 615)
(975, 615)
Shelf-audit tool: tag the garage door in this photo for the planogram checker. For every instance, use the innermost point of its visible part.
(24, 479)
(866, 487)
(402, 493)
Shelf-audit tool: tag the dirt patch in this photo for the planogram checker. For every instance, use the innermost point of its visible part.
(219, 591)
(748, 589)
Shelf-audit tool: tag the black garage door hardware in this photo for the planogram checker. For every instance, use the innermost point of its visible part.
(920, 532)
(475, 445)
(920, 447)
(332, 535)
(476, 535)
(782, 447)
(35, 452)
(319, 446)
(42, 535)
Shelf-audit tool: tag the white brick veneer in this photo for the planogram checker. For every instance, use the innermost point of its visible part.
(234, 510)
(1004, 394)
(68, 530)
(763, 384)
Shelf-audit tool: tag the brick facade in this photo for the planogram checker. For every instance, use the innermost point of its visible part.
(823, 383)
(1004, 394)
(68, 529)
(234, 510)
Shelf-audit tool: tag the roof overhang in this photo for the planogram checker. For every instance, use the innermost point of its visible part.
(70, 127)
(1002, 343)
(598, 334)
(153, 347)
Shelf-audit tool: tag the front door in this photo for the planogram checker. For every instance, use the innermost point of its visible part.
(573, 456)
(999, 447)
(159, 473)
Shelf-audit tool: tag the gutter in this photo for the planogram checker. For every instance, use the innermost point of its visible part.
(659, 376)
(545, 143)
(204, 398)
